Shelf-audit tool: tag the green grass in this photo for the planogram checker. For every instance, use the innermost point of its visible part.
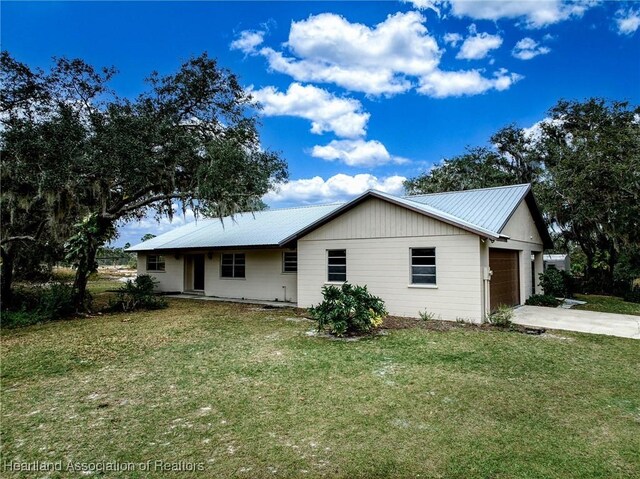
(246, 393)
(607, 304)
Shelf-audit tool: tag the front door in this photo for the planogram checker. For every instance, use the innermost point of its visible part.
(198, 272)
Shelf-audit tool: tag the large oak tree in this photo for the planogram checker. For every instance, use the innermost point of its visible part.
(86, 160)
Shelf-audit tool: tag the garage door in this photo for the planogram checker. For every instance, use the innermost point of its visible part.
(505, 283)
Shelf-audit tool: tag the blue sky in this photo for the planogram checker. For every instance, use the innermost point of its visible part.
(356, 94)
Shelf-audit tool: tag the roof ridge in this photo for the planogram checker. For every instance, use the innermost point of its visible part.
(469, 190)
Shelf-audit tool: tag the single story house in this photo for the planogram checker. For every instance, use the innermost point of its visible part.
(458, 255)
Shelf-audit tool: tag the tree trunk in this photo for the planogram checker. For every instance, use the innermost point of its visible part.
(7, 277)
(85, 268)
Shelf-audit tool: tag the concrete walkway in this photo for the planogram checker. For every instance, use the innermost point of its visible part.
(622, 325)
(201, 297)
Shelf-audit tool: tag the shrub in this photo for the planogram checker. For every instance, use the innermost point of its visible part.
(633, 296)
(17, 319)
(348, 310)
(138, 294)
(38, 304)
(542, 300)
(501, 317)
(557, 283)
(426, 315)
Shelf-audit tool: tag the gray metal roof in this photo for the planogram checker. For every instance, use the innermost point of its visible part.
(484, 212)
(262, 228)
(487, 208)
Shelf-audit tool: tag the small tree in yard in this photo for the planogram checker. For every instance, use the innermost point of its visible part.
(348, 310)
(87, 161)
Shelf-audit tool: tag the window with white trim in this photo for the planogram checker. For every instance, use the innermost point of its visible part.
(423, 266)
(290, 262)
(155, 262)
(232, 265)
(337, 265)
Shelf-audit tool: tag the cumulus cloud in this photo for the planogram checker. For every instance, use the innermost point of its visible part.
(389, 58)
(528, 48)
(327, 112)
(358, 152)
(452, 39)
(533, 13)
(248, 41)
(441, 84)
(477, 45)
(340, 187)
(627, 21)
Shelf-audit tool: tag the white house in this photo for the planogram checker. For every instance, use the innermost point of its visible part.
(457, 255)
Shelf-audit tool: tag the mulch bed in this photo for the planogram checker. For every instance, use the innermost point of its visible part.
(395, 322)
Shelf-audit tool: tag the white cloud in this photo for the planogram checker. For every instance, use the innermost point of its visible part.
(424, 4)
(340, 187)
(248, 41)
(327, 112)
(477, 45)
(374, 60)
(386, 59)
(441, 84)
(627, 21)
(356, 153)
(528, 48)
(452, 39)
(535, 13)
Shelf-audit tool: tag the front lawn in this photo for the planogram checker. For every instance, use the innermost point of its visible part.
(245, 392)
(607, 304)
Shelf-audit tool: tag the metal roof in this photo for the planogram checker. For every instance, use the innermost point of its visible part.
(487, 208)
(262, 228)
(484, 212)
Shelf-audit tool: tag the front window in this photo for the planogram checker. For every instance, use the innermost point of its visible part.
(155, 262)
(337, 265)
(423, 266)
(232, 265)
(290, 262)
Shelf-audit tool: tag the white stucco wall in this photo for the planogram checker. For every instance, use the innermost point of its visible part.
(264, 278)
(378, 237)
(171, 279)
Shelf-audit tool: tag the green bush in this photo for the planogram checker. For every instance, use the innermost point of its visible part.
(633, 296)
(17, 319)
(559, 284)
(542, 300)
(501, 317)
(138, 294)
(38, 304)
(348, 310)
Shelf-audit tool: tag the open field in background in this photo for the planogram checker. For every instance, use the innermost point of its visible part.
(247, 393)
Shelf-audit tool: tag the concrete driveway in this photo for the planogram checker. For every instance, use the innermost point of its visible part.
(622, 325)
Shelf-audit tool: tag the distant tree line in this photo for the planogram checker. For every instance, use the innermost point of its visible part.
(77, 160)
(584, 164)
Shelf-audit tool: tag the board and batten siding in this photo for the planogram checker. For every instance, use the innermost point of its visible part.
(524, 237)
(378, 237)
